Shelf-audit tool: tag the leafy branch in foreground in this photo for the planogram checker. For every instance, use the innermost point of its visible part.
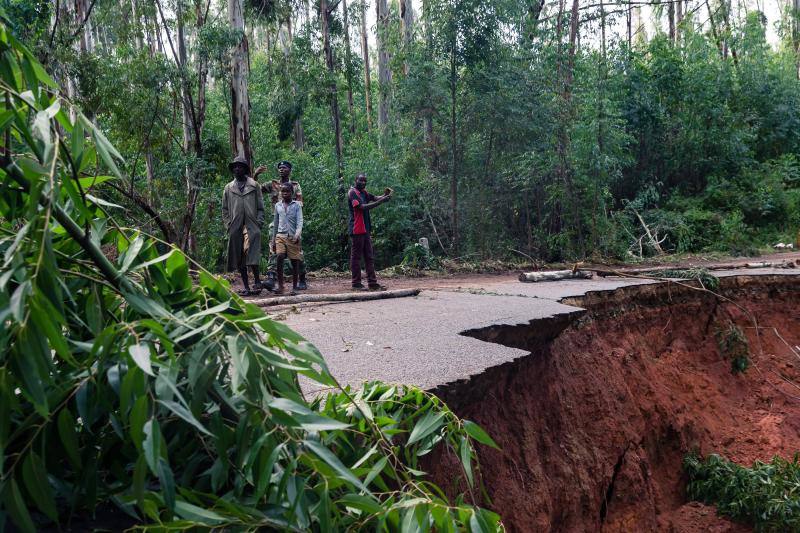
(125, 382)
(766, 495)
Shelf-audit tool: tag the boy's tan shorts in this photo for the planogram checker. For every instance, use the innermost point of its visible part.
(284, 246)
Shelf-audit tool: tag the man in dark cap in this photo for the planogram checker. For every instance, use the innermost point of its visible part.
(243, 210)
(274, 190)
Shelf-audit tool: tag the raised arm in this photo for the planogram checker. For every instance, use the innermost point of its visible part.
(373, 201)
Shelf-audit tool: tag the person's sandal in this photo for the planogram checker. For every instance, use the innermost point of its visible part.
(244, 292)
(357, 286)
(376, 287)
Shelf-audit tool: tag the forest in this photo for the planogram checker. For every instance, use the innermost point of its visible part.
(552, 129)
(138, 390)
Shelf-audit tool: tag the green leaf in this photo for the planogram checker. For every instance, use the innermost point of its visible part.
(146, 305)
(152, 444)
(466, 459)
(138, 419)
(93, 181)
(141, 356)
(131, 253)
(19, 299)
(197, 514)
(477, 433)
(104, 148)
(167, 481)
(185, 414)
(328, 457)
(104, 203)
(68, 436)
(12, 498)
(376, 469)
(35, 477)
(362, 503)
(306, 418)
(427, 425)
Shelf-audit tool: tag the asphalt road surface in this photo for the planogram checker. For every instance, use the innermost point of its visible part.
(420, 340)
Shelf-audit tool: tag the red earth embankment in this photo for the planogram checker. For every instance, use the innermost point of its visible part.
(594, 423)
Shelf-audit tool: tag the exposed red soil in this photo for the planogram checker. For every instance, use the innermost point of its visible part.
(594, 424)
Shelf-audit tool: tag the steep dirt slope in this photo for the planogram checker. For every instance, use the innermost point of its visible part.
(594, 424)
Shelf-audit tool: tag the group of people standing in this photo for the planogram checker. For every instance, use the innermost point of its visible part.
(243, 213)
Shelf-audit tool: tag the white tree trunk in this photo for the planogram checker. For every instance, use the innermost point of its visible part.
(555, 275)
(365, 53)
(407, 24)
(240, 101)
(384, 73)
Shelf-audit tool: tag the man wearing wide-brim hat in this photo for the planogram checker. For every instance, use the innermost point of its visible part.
(243, 210)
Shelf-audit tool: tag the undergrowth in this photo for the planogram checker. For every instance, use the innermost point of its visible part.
(708, 280)
(733, 345)
(766, 495)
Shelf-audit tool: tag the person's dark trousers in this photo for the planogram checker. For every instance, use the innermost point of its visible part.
(361, 246)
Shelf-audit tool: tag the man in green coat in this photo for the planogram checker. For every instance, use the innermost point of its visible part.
(243, 209)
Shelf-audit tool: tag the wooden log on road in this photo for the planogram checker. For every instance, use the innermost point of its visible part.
(343, 297)
(554, 275)
(654, 271)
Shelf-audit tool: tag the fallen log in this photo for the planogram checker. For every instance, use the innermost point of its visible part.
(767, 264)
(554, 275)
(610, 271)
(342, 297)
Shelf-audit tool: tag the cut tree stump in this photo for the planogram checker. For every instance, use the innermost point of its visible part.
(554, 275)
(343, 297)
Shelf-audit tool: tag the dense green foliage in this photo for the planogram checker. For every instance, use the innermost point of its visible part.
(733, 346)
(765, 495)
(551, 154)
(135, 380)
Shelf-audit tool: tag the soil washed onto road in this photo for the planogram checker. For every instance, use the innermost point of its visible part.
(594, 423)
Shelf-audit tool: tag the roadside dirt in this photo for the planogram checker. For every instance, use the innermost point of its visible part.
(336, 283)
(594, 425)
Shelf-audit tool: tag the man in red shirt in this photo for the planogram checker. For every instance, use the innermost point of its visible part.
(360, 202)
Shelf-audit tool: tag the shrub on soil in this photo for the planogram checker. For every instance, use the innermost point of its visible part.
(766, 495)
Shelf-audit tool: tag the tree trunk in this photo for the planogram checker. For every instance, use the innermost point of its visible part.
(384, 74)
(430, 140)
(796, 33)
(554, 275)
(365, 53)
(152, 197)
(348, 69)
(342, 297)
(82, 17)
(726, 19)
(453, 148)
(325, 19)
(714, 31)
(600, 178)
(298, 133)
(135, 23)
(535, 8)
(564, 141)
(678, 19)
(240, 101)
(407, 25)
(671, 17)
(629, 24)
